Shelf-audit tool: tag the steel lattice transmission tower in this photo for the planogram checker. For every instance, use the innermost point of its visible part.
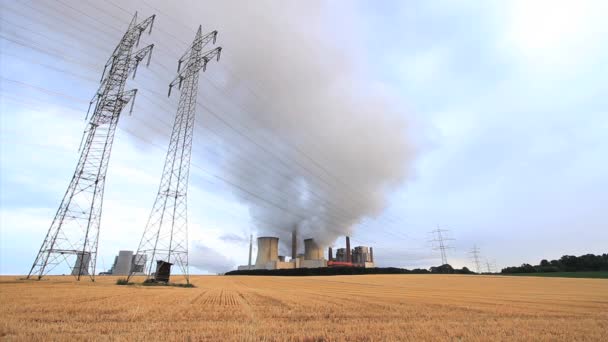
(74, 232)
(441, 241)
(165, 237)
(490, 266)
(475, 256)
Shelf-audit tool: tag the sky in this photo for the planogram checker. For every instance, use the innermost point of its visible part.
(487, 119)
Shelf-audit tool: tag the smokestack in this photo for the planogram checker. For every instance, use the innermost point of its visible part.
(348, 252)
(250, 249)
(330, 254)
(294, 244)
(371, 254)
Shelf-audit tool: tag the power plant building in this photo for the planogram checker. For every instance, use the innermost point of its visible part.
(341, 255)
(313, 257)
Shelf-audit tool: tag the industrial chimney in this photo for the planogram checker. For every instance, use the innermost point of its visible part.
(250, 250)
(371, 254)
(294, 244)
(348, 251)
(268, 250)
(330, 254)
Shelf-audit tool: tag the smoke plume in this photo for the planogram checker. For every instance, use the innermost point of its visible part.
(331, 143)
(319, 142)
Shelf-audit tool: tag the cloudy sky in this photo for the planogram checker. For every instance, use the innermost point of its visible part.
(383, 119)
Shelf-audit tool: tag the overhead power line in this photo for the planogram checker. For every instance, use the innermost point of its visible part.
(225, 122)
(314, 162)
(336, 209)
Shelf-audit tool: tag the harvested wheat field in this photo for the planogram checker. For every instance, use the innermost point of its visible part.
(341, 308)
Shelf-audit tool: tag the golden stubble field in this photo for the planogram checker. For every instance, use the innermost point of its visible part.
(342, 308)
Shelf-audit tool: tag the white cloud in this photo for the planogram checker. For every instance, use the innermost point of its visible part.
(550, 33)
(209, 259)
(424, 67)
(25, 220)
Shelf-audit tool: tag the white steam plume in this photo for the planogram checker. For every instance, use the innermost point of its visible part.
(324, 142)
(338, 142)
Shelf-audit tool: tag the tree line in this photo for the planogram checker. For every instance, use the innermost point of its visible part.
(567, 263)
(443, 269)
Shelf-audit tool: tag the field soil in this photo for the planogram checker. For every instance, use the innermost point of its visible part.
(338, 308)
(594, 274)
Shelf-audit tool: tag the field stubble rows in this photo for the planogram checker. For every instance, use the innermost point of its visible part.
(372, 307)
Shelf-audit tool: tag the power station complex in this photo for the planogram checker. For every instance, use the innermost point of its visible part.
(268, 257)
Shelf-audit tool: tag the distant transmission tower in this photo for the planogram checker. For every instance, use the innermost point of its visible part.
(475, 256)
(75, 229)
(441, 244)
(165, 238)
(490, 266)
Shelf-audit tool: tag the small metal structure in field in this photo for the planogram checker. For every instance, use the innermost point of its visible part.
(163, 271)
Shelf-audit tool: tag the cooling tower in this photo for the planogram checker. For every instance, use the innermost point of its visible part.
(139, 264)
(312, 251)
(82, 264)
(123, 263)
(268, 250)
(361, 255)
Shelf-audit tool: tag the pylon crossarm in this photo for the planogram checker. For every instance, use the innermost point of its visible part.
(137, 57)
(199, 43)
(129, 96)
(194, 65)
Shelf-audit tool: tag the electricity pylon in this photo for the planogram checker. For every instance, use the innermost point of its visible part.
(442, 246)
(490, 266)
(75, 229)
(165, 237)
(475, 256)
